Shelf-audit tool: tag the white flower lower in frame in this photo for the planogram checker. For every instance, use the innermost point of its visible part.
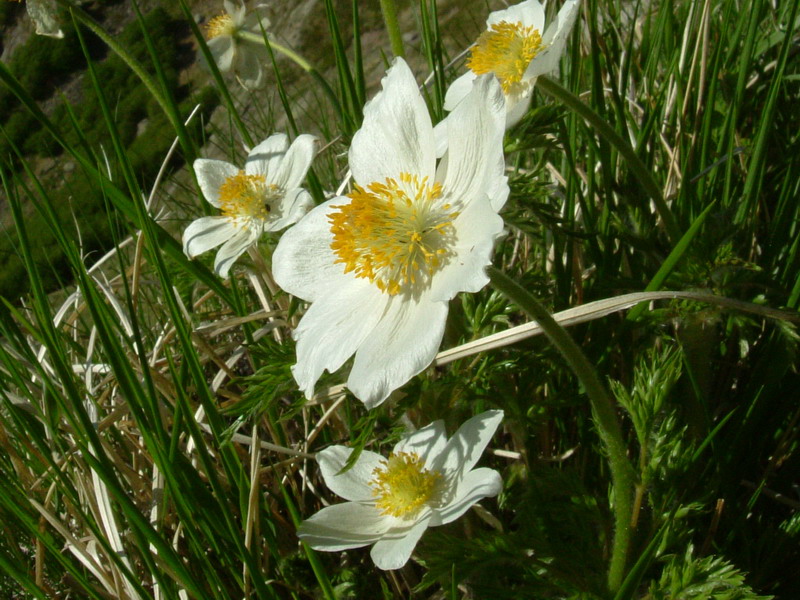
(427, 481)
(229, 40)
(264, 196)
(515, 50)
(380, 264)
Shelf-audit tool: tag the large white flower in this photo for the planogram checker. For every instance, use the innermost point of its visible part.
(234, 41)
(380, 265)
(427, 481)
(44, 14)
(264, 196)
(516, 51)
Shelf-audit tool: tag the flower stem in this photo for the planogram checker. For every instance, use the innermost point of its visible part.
(637, 167)
(389, 11)
(622, 474)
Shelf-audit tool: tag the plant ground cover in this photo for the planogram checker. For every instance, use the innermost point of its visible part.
(153, 441)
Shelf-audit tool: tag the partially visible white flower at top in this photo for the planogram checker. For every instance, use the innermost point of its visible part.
(264, 196)
(44, 14)
(380, 264)
(235, 41)
(427, 481)
(516, 51)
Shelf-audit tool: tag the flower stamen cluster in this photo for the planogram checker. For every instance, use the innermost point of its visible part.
(403, 485)
(220, 25)
(396, 234)
(506, 50)
(244, 196)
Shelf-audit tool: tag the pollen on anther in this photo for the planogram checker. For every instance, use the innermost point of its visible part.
(220, 25)
(403, 485)
(390, 231)
(244, 197)
(506, 50)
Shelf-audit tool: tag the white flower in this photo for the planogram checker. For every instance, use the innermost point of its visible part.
(380, 265)
(233, 51)
(45, 16)
(264, 196)
(427, 481)
(516, 51)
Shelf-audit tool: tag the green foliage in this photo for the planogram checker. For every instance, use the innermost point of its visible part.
(78, 197)
(709, 578)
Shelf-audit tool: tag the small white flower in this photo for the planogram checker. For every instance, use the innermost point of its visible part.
(235, 52)
(380, 265)
(44, 14)
(427, 481)
(516, 51)
(264, 196)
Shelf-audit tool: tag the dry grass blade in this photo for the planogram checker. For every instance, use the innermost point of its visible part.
(597, 310)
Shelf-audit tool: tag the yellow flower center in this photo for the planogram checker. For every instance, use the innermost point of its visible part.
(244, 196)
(506, 50)
(397, 235)
(403, 485)
(220, 25)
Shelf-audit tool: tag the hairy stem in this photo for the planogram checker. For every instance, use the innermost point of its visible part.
(622, 474)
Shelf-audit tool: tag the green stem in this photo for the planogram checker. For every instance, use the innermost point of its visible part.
(622, 474)
(257, 38)
(389, 11)
(637, 167)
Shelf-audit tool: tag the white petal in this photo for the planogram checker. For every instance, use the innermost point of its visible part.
(292, 170)
(396, 135)
(211, 174)
(517, 106)
(529, 13)
(247, 65)
(353, 484)
(400, 346)
(334, 327)
(556, 38)
(458, 90)
(206, 233)
(465, 447)
(476, 230)
(343, 526)
(233, 249)
(266, 158)
(293, 206)
(476, 485)
(394, 552)
(426, 443)
(303, 263)
(44, 14)
(475, 132)
(231, 8)
(223, 50)
(255, 20)
(440, 135)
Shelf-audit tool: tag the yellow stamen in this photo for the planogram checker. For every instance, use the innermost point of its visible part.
(244, 196)
(403, 485)
(397, 235)
(220, 25)
(506, 50)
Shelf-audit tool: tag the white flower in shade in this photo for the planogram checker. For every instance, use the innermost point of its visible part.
(236, 42)
(264, 196)
(427, 481)
(44, 14)
(380, 265)
(516, 51)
